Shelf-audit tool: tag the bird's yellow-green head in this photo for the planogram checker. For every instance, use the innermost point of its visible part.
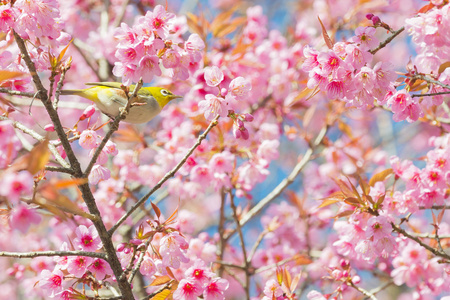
(162, 95)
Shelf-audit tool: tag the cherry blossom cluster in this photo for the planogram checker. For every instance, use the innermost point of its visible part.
(90, 140)
(173, 255)
(227, 100)
(146, 45)
(84, 269)
(426, 29)
(35, 21)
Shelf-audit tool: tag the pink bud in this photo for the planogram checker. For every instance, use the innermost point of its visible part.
(369, 16)
(89, 111)
(223, 91)
(137, 242)
(248, 117)
(61, 151)
(245, 134)
(49, 127)
(376, 20)
(126, 250)
(236, 132)
(121, 247)
(213, 76)
(356, 279)
(337, 274)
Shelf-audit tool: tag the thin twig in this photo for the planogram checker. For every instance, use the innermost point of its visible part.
(242, 241)
(435, 207)
(39, 138)
(18, 93)
(283, 184)
(231, 265)
(430, 94)
(430, 80)
(429, 235)
(59, 87)
(381, 287)
(257, 243)
(53, 253)
(166, 177)
(221, 230)
(139, 262)
(387, 41)
(59, 169)
(417, 240)
(362, 291)
(121, 15)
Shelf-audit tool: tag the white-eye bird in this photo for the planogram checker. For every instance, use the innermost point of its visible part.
(109, 97)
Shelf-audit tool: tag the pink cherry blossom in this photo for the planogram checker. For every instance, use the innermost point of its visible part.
(240, 88)
(212, 106)
(15, 185)
(100, 268)
(187, 290)
(23, 216)
(199, 273)
(213, 76)
(99, 173)
(87, 238)
(148, 267)
(215, 289)
(89, 139)
(365, 37)
(78, 265)
(52, 281)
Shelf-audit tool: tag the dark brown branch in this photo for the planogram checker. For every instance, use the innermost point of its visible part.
(417, 240)
(86, 192)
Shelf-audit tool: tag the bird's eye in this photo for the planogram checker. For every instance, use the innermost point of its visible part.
(165, 92)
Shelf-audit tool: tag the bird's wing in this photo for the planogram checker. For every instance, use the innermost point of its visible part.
(116, 85)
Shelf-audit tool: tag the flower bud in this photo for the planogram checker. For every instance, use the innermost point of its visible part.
(121, 247)
(49, 127)
(245, 134)
(369, 16)
(376, 20)
(248, 117)
(89, 111)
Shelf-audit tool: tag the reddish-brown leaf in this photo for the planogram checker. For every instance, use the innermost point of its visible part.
(6, 75)
(380, 176)
(160, 280)
(343, 214)
(156, 209)
(325, 35)
(66, 183)
(443, 67)
(353, 201)
(163, 295)
(301, 259)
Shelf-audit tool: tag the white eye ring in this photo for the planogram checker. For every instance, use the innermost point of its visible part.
(165, 92)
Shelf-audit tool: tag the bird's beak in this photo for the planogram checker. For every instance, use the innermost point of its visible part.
(176, 97)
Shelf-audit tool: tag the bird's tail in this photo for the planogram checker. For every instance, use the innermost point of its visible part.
(72, 92)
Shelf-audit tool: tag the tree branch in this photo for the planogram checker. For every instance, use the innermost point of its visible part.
(387, 41)
(53, 253)
(417, 240)
(166, 177)
(283, 184)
